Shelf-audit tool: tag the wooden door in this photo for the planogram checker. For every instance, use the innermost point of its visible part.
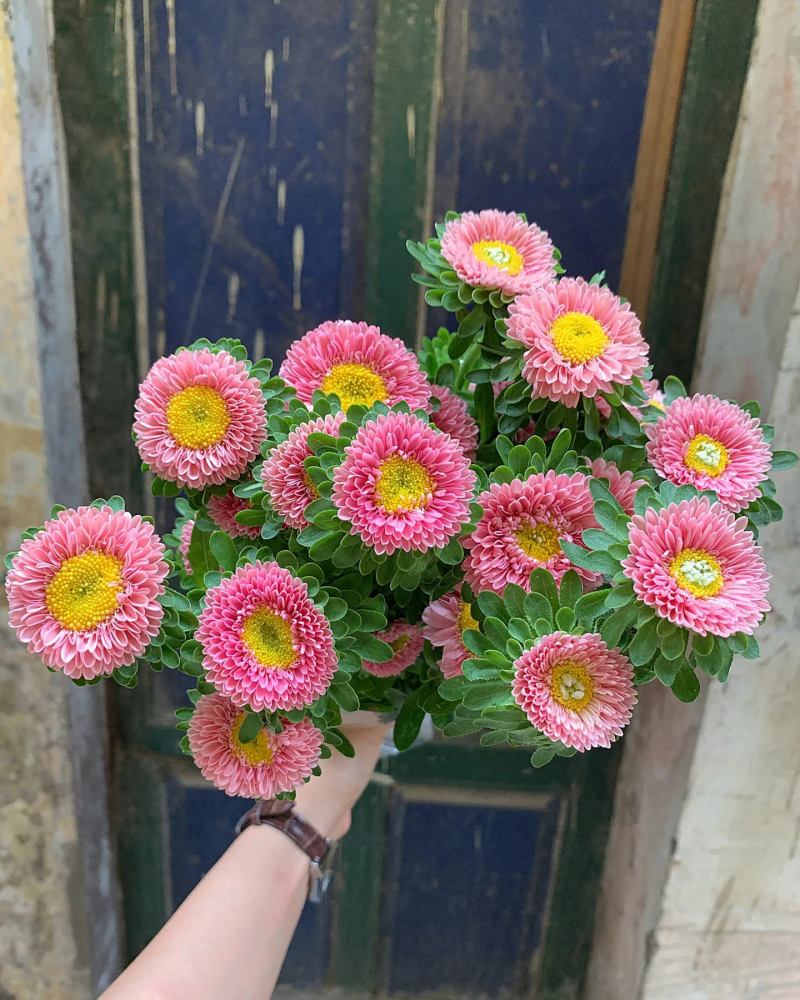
(283, 152)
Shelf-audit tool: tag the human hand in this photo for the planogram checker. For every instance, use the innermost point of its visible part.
(327, 800)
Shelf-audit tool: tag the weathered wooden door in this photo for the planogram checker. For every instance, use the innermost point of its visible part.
(283, 152)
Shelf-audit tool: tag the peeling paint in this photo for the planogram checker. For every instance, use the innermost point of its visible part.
(233, 295)
(298, 254)
(200, 126)
(172, 47)
(281, 200)
(411, 130)
(269, 73)
(273, 124)
(259, 344)
(285, 49)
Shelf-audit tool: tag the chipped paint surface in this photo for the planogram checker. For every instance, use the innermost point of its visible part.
(39, 935)
(730, 926)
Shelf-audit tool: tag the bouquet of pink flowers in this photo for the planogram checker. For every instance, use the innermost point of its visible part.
(509, 532)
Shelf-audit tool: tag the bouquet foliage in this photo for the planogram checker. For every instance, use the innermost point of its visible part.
(510, 531)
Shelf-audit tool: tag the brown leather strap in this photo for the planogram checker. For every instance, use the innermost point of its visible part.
(281, 815)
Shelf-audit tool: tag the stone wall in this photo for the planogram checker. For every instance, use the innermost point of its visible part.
(57, 916)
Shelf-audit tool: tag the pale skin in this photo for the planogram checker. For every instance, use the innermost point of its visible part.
(230, 936)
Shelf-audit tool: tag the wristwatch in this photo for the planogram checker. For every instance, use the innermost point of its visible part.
(280, 814)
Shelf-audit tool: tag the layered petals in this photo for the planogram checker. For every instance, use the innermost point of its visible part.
(713, 445)
(403, 485)
(83, 593)
(199, 418)
(499, 250)
(522, 527)
(581, 340)
(698, 566)
(265, 643)
(259, 769)
(575, 690)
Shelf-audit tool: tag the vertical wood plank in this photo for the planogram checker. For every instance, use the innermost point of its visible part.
(406, 38)
(662, 102)
(715, 73)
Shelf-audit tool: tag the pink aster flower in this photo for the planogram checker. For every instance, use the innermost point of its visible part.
(445, 621)
(699, 567)
(406, 641)
(575, 690)
(581, 340)
(185, 545)
(622, 485)
(284, 475)
(453, 417)
(713, 445)
(200, 418)
(223, 508)
(265, 643)
(263, 767)
(83, 593)
(403, 485)
(358, 363)
(493, 249)
(522, 527)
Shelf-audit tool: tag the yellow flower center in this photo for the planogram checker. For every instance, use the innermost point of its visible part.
(83, 593)
(197, 417)
(269, 639)
(257, 751)
(707, 455)
(539, 541)
(497, 254)
(578, 337)
(355, 385)
(403, 484)
(571, 685)
(697, 571)
(465, 619)
(400, 643)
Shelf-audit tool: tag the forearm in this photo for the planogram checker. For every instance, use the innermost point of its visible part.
(230, 936)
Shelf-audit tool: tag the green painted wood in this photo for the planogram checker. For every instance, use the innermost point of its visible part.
(715, 75)
(138, 813)
(405, 64)
(576, 882)
(358, 888)
(90, 64)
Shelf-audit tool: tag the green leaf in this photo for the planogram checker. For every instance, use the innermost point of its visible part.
(324, 547)
(372, 649)
(452, 554)
(483, 694)
(571, 589)
(543, 756)
(200, 556)
(344, 696)
(686, 686)
(408, 722)
(667, 670)
(591, 605)
(783, 460)
(491, 605)
(644, 643)
(612, 628)
(453, 688)
(250, 728)
(673, 644)
(537, 606)
(224, 551)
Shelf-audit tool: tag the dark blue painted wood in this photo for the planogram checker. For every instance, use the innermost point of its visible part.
(466, 894)
(253, 103)
(547, 118)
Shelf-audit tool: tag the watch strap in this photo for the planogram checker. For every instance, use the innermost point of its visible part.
(280, 814)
